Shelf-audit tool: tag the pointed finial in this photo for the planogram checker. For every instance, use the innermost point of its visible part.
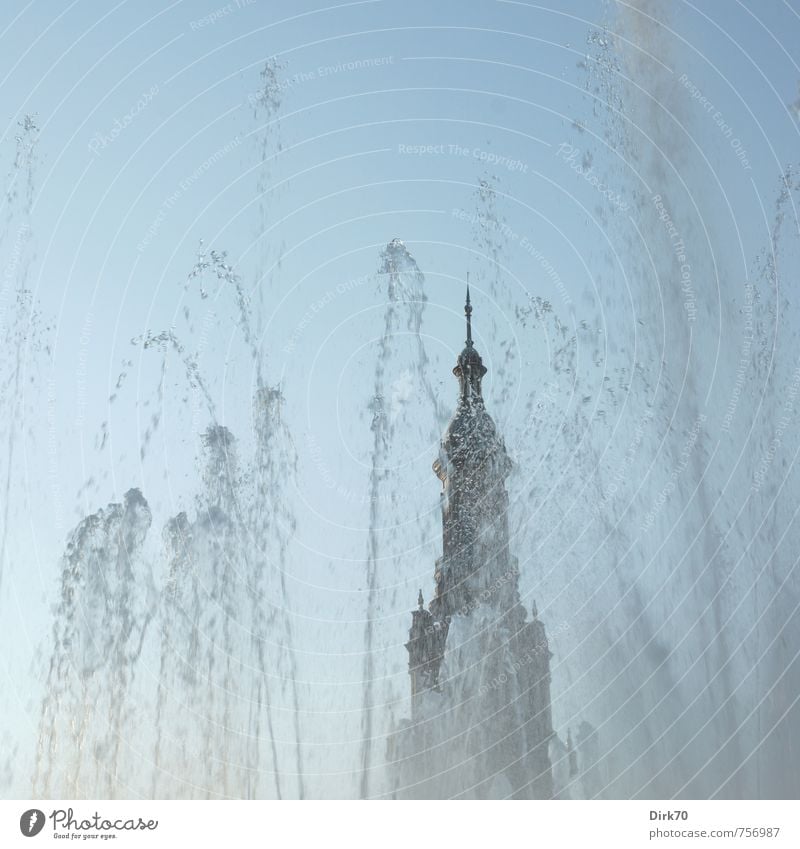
(421, 601)
(468, 314)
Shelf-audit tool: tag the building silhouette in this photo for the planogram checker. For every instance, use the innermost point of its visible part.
(480, 724)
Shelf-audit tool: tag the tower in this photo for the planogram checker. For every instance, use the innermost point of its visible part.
(480, 721)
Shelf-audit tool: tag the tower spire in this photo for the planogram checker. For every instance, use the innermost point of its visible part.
(468, 314)
(469, 368)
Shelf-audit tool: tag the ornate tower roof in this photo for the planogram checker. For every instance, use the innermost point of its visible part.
(469, 368)
(471, 437)
(468, 738)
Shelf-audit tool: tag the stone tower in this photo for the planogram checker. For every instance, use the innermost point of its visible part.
(480, 723)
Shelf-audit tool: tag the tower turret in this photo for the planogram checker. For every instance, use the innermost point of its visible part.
(477, 729)
(473, 465)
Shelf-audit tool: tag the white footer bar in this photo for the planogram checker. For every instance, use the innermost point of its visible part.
(617, 824)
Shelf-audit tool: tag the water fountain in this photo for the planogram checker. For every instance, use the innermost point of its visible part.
(650, 502)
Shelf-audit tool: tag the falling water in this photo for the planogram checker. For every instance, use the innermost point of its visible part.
(676, 553)
(20, 322)
(214, 664)
(273, 524)
(638, 475)
(101, 620)
(406, 417)
(223, 644)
